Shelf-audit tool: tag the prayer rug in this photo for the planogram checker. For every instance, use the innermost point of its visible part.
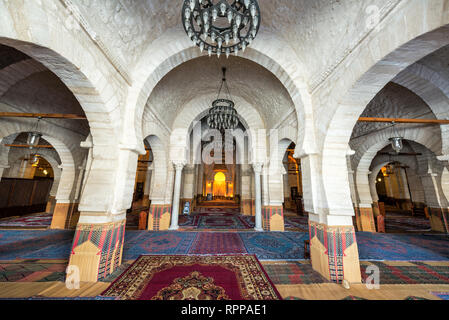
(300, 224)
(189, 221)
(221, 222)
(396, 247)
(225, 277)
(441, 295)
(275, 245)
(407, 272)
(163, 242)
(217, 243)
(40, 220)
(218, 210)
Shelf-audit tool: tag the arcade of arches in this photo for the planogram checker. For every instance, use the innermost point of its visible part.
(140, 157)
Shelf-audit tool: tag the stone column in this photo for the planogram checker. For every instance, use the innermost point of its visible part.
(438, 215)
(333, 245)
(188, 190)
(265, 188)
(63, 197)
(364, 208)
(273, 214)
(147, 187)
(245, 196)
(257, 167)
(98, 242)
(176, 193)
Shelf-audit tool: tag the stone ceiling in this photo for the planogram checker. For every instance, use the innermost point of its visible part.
(321, 32)
(393, 101)
(202, 77)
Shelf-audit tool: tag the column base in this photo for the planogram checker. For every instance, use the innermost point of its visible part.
(273, 218)
(365, 219)
(334, 252)
(60, 215)
(159, 217)
(246, 207)
(439, 219)
(97, 249)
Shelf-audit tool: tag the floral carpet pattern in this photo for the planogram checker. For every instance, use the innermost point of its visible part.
(224, 277)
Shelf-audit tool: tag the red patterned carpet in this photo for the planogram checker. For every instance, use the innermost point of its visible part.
(177, 277)
(217, 243)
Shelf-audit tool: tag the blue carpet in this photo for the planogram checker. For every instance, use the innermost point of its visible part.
(398, 247)
(26, 244)
(138, 243)
(275, 245)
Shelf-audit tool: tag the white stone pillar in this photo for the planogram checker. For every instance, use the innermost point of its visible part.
(148, 177)
(405, 184)
(188, 184)
(176, 194)
(257, 167)
(363, 187)
(352, 185)
(265, 190)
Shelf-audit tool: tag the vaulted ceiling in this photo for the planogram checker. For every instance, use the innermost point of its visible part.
(320, 32)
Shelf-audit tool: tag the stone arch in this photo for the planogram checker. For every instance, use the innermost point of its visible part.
(396, 53)
(91, 82)
(365, 176)
(155, 65)
(65, 152)
(433, 89)
(52, 159)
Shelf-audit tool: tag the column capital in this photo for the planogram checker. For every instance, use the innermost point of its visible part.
(178, 165)
(257, 167)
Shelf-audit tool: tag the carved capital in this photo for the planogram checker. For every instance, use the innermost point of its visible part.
(257, 167)
(179, 165)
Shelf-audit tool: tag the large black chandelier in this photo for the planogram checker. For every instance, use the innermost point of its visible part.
(222, 115)
(221, 26)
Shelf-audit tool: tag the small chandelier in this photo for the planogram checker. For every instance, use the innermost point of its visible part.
(222, 115)
(396, 140)
(396, 144)
(223, 26)
(34, 136)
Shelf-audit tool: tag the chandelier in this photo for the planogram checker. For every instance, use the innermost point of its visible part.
(222, 115)
(221, 26)
(396, 140)
(396, 144)
(34, 136)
